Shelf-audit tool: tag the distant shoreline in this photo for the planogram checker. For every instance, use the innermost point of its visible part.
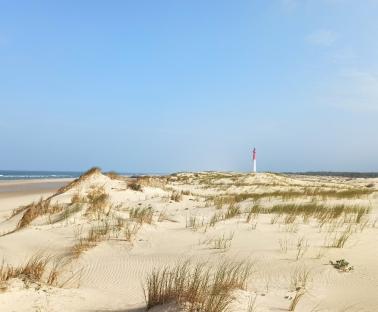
(31, 186)
(24, 176)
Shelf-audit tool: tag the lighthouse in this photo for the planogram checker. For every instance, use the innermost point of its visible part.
(254, 159)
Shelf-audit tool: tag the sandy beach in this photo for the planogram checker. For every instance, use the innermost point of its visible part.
(102, 237)
(16, 193)
(20, 187)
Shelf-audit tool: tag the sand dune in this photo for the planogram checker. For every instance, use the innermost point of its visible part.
(111, 232)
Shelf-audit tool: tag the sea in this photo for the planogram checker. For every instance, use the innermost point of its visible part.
(24, 175)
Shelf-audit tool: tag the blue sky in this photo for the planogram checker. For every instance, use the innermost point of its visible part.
(161, 86)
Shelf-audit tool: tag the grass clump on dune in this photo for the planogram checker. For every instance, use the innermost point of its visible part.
(176, 196)
(135, 186)
(300, 278)
(197, 287)
(34, 210)
(96, 234)
(319, 211)
(42, 207)
(232, 211)
(314, 193)
(98, 202)
(37, 268)
(142, 215)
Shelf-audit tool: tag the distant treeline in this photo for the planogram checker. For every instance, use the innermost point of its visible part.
(338, 174)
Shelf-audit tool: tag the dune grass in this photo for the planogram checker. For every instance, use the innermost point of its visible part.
(197, 287)
(130, 230)
(300, 279)
(38, 268)
(67, 212)
(114, 175)
(222, 242)
(176, 196)
(135, 186)
(194, 222)
(98, 202)
(77, 181)
(339, 238)
(232, 211)
(142, 214)
(314, 193)
(35, 210)
(96, 234)
(320, 212)
(288, 213)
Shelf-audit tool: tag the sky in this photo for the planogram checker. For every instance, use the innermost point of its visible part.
(164, 86)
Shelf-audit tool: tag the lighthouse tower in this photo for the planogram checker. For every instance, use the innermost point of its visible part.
(254, 159)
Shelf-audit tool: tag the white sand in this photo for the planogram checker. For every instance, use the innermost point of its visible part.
(111, 275)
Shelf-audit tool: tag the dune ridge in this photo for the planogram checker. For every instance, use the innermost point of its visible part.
(110, 233)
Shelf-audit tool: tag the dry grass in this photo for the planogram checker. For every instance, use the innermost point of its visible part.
(84, 242)
(311, 192)
(298, 296)
(218, 216)
(223, 242)
(302, 247)
(135, 186)
(114, 176)
(220, 201)
(194, 222)
(340, 238)
(232, 211)
(78, 181)
(197, 288)
(98, 202)
(142, 215)
(37, 268)
(130, 230)
(35, 210)
(176, 196)
(284, 244)
(253, 212)
(82, 245)
(152, 181)
(118, 228)
(77, 198)
(300, 278)
(252, 306)
(67, 212)
(319, 211)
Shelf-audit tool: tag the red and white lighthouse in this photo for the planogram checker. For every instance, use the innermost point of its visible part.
(254, 159)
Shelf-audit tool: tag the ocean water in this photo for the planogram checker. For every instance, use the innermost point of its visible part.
(24, 175)
(21, 175)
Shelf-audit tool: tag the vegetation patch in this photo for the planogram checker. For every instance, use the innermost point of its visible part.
(135, 186)
(142, 215)
(341, 265)
(38, 268)
(34, 210)
(198, 287)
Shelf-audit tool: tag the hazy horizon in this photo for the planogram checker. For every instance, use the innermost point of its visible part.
(167, 86)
